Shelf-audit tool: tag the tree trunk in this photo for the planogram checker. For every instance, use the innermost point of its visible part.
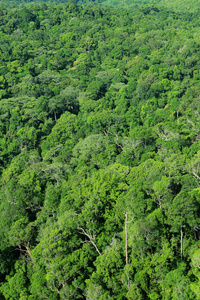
(181, 242)
(126, 239)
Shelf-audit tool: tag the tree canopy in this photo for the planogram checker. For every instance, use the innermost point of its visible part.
(99, 150)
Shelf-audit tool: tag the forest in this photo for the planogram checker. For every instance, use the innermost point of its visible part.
(100, 150)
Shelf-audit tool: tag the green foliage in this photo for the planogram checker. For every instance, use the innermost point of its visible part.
(99, 150)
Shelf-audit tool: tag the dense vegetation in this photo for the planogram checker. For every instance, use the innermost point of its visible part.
(100, 152)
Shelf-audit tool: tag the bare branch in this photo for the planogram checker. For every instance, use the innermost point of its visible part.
(195, 175)
(90, 237)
